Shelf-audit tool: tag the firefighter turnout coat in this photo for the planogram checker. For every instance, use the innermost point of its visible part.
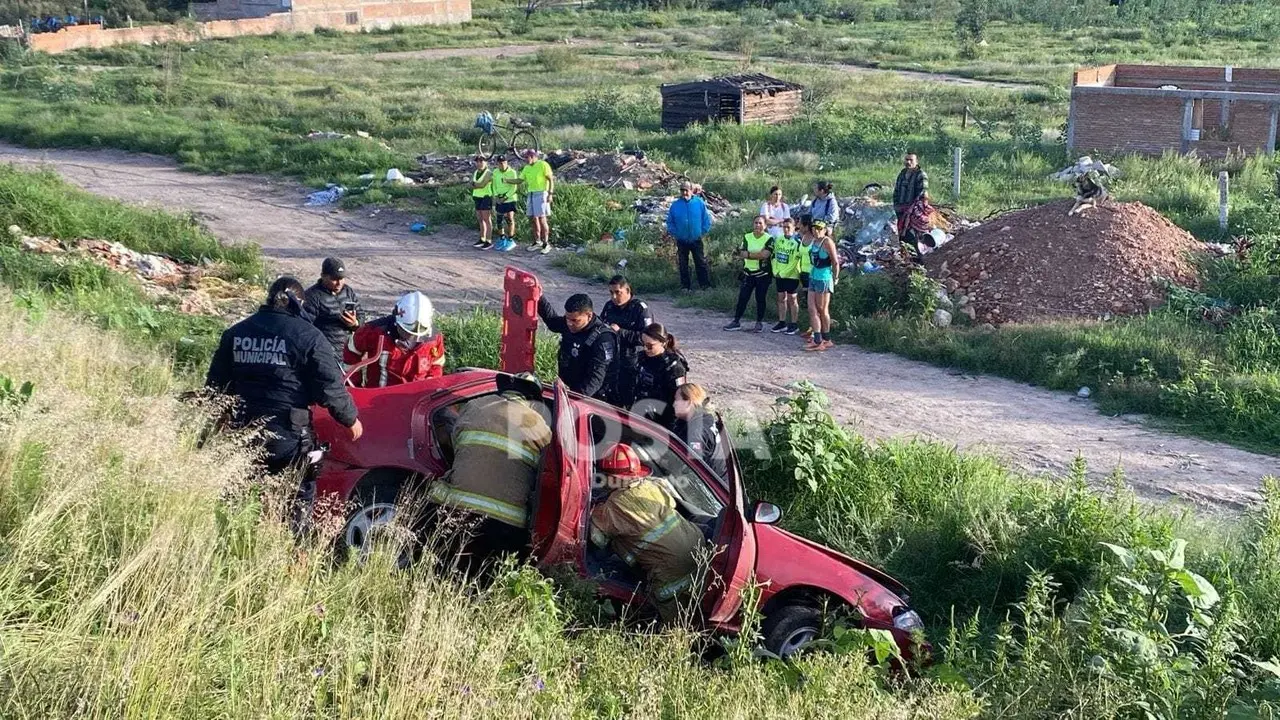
(395, 363)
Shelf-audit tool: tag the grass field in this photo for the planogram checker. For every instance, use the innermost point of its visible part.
(146, 576)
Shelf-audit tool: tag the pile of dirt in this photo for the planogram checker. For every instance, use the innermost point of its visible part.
(189, 289)
(627, 171)
(1039, 263)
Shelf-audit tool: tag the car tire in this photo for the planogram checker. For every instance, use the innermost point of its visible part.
(790, 628)
(374, 508)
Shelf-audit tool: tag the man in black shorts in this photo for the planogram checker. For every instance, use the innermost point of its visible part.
(505, 195)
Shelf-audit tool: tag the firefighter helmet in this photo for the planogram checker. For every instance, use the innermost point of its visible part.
(415, 315)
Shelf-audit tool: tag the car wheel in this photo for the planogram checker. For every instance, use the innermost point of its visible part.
(376, 507)
(790, 629)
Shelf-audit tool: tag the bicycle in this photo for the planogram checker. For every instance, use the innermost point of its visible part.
(521, 137)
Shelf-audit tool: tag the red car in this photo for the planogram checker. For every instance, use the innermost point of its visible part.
(800, 580)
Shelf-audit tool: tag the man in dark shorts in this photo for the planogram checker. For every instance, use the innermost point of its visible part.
(786, 274)
(505, 195)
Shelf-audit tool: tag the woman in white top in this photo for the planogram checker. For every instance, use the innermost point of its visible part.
(775, 212)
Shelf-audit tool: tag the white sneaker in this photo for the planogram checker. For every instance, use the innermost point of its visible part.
(545, 249)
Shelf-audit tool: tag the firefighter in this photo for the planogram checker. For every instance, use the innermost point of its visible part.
(497, 443)
(588, 357)
(276, 365)
(405, 343)
(639, 522)
(628, 316)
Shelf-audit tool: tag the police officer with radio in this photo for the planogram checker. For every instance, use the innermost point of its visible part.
(588, 358)
(277, 364)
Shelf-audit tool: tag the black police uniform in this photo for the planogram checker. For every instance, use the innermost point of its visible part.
(278, 365)
(327, 308)
(631, 320)
(588, 359)
(702, 434)
(656, 381)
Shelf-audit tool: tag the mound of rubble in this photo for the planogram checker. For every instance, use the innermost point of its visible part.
(1038, 263)
(657, 183)
(189, 289)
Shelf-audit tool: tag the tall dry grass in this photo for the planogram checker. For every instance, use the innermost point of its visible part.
(141, 577)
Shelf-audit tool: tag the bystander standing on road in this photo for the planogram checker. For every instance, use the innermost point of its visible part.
(688, 222)
(332, 306)
(822, 283)
(539, 184)
(505, 196)
(775, 211)
(482, 198)
(786, 273)
(756, 249)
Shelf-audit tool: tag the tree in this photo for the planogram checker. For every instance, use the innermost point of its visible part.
(971, 21)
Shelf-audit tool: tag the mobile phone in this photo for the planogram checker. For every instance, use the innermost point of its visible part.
(348, 307)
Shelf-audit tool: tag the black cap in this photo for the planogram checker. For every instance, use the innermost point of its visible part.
(334, 268)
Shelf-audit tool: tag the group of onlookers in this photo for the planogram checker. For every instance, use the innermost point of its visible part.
(495, 192)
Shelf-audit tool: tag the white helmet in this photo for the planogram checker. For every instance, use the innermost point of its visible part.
(415, 316)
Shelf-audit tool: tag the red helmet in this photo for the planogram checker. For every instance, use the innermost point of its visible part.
(621, 461)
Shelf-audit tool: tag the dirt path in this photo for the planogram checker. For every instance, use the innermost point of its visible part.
(882, 395)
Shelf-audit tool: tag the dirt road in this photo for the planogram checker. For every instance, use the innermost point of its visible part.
(882, 395)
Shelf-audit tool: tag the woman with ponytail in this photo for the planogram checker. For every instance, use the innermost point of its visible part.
(697, 426)
(662, 370)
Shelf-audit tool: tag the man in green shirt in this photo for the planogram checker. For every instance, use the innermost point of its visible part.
(505, 195)
(539, 185)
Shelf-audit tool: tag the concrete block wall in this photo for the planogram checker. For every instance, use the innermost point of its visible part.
(306, 16)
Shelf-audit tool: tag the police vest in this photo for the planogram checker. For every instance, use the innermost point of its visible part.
(753, 244)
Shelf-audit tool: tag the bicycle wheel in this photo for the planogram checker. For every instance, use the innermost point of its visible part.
(486, 146)
(523, 140)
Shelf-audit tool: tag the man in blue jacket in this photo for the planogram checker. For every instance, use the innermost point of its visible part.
(688, 222)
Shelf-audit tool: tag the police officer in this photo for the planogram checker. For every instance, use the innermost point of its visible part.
(588, 358)
(276, 364)
(332, 305)
(627, 316)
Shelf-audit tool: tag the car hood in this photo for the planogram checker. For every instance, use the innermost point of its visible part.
(770, 534)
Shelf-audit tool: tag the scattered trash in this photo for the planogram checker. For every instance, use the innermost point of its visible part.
(622, 264)
(326, 135)
(367, 177)
(941, 318)
(418, 227)
(1082, 167)
(328, 196)
(395, 176)
(1084, 392)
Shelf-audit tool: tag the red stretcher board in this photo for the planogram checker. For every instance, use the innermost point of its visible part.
(521, 291)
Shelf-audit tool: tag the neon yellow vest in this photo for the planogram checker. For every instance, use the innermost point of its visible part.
(487, 190)
(753, 244)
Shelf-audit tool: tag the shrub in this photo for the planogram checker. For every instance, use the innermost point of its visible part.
(557, 59)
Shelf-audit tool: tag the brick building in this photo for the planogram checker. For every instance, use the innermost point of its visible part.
(235, 18)
(1150, 109)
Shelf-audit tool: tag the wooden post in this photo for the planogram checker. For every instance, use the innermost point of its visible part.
(1187, 113)
(957, 166)
(1223, 187)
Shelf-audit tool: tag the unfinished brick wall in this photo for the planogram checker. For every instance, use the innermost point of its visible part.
(1126, 124)
(307, 15)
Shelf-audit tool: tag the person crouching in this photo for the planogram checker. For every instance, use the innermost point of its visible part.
(402, 347)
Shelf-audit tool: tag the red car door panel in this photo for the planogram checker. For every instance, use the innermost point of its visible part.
(734, 558)
(559, 505)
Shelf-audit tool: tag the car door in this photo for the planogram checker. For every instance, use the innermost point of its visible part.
(734, 557)
(562, 492)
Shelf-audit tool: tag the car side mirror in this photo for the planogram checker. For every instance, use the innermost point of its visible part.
(765, 513)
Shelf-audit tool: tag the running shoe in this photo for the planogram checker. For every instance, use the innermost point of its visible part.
(812, 346)
(546, 248)
(507, 246)
(780, 326)
(481, 244)
(792, 329)
(735, 325)
(758, 327)
(535, 246)
(826, 345)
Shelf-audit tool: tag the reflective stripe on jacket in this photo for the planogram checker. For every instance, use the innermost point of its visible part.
(497, 442)
(641, 524)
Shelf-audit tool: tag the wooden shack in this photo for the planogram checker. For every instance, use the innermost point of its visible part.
(737, 98)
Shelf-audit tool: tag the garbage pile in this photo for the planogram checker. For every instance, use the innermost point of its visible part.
(1082, 167)
(1038, 263)
(190, 289)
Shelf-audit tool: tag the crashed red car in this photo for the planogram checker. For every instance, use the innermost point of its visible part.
(800, 580)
